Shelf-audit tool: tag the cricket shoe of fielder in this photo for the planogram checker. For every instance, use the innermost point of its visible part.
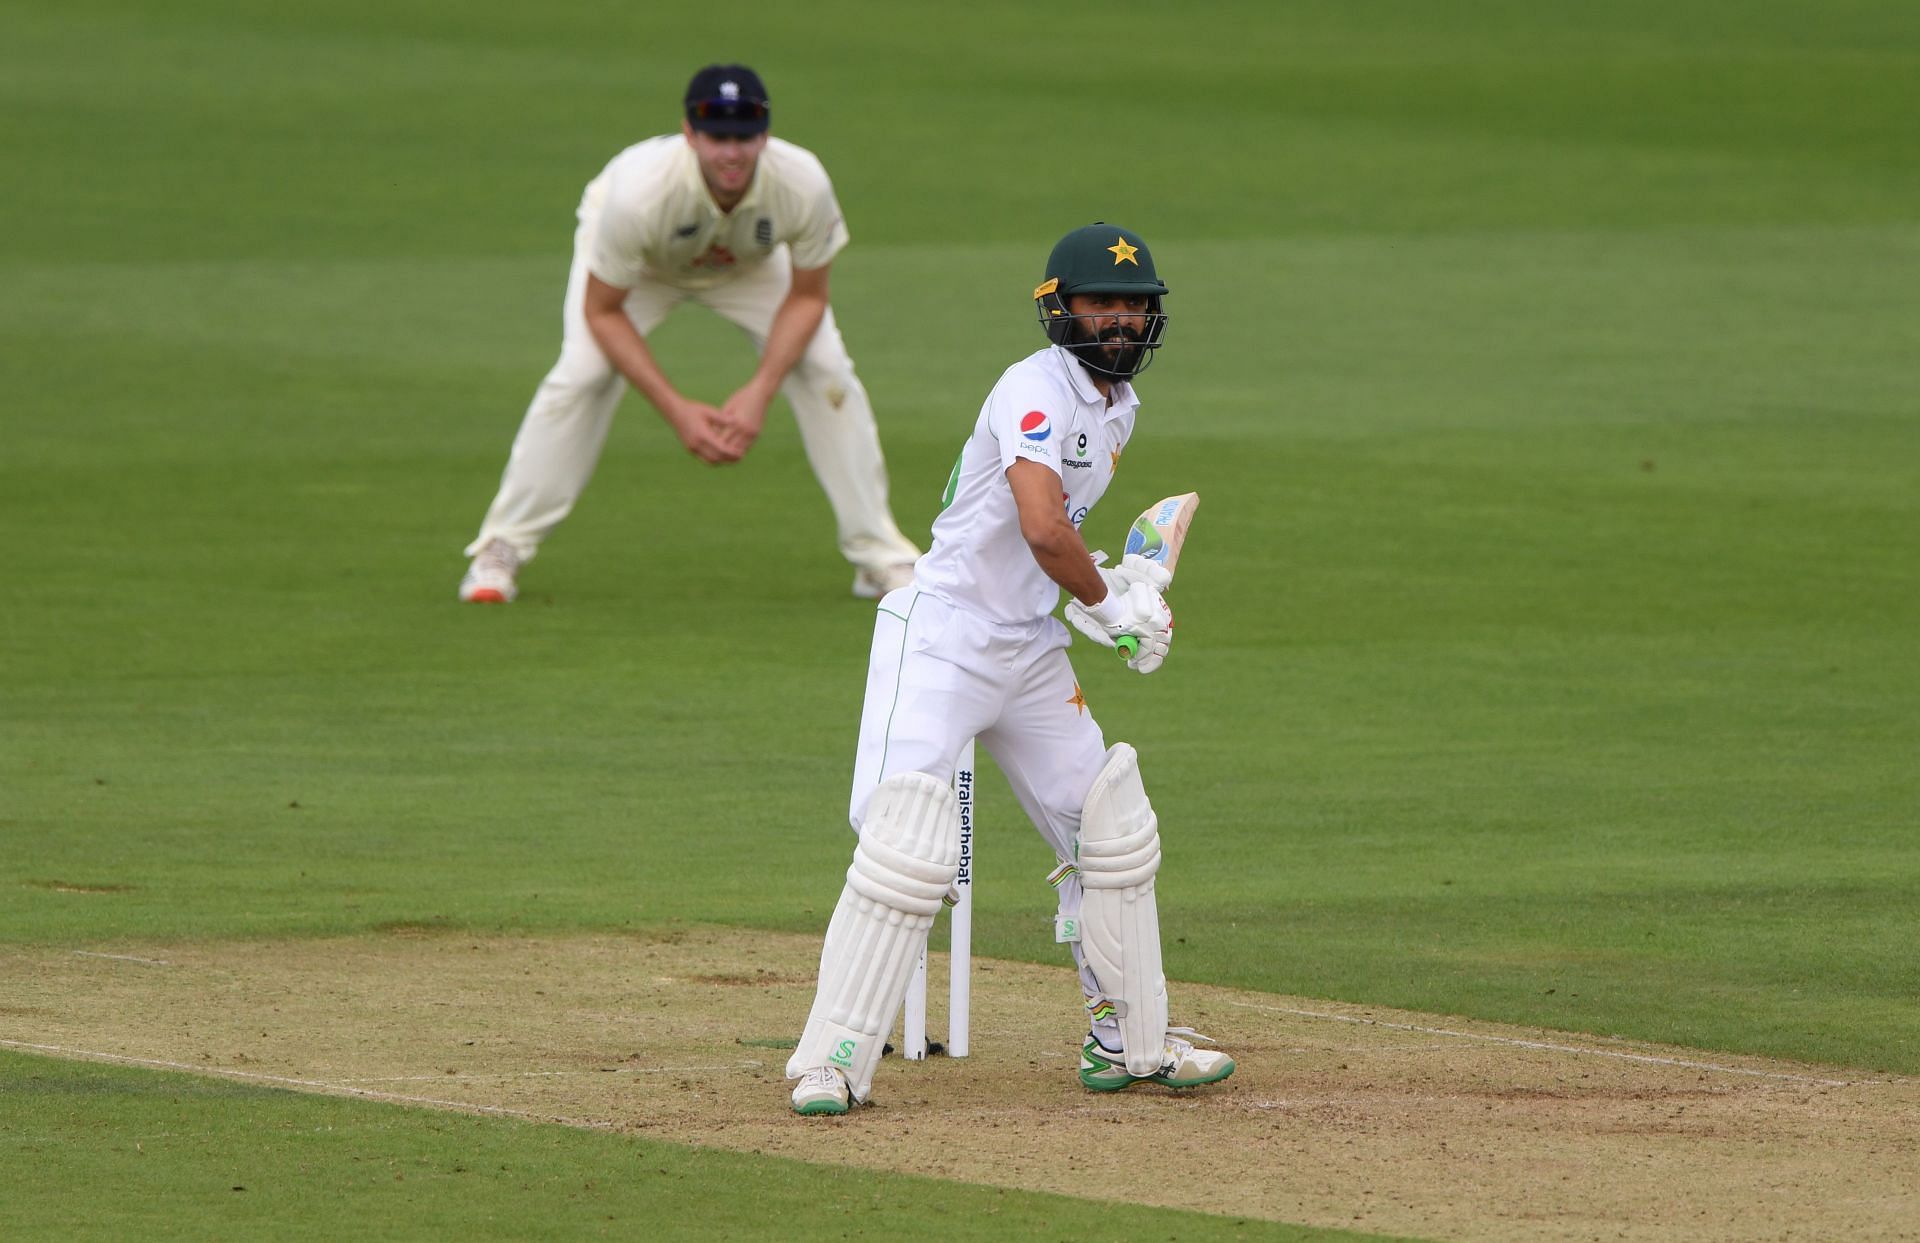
(490, 578)
(872, 584)
(1184, 1066)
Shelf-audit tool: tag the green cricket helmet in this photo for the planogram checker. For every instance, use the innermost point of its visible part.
(1101, 258)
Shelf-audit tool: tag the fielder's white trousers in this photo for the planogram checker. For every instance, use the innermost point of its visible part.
(566, 425)
(939, 675)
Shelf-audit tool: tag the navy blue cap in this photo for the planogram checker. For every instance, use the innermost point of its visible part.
(728, 99)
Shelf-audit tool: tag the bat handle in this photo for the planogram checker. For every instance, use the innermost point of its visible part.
(1126, 647)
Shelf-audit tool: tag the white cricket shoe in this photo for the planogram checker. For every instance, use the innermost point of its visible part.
(1182, 1066)
(821, 1091)
(489, 579)
(872, 584)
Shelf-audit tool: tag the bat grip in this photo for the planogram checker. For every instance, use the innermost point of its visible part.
(1126, 646)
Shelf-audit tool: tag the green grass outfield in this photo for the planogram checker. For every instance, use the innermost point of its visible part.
(1547, 643)
(146, 1155)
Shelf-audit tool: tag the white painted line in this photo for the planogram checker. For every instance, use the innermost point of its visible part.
(317, 1085)
(151, 962)
(556, 1074)
(1550, 1047)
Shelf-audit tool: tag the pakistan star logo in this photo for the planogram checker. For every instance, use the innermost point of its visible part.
(1123, 253)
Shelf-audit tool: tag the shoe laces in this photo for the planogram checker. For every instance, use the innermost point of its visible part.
(824, 1077)
(498, 555)
(1180, 1040)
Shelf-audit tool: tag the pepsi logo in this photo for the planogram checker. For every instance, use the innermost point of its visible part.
(1035, 426)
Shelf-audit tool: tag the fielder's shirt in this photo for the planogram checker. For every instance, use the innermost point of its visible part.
(1044, 409)
(658, 221)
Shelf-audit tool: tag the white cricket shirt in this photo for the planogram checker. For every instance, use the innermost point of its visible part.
(1045, 409)
(658, 221)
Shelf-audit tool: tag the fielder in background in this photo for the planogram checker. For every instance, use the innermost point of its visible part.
(971, 649)
(724, 215)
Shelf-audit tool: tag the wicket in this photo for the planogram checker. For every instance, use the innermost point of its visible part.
(960, 962)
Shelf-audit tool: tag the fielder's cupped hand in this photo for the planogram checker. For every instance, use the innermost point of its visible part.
(744, 414)
(1131, 608)
(705, 432)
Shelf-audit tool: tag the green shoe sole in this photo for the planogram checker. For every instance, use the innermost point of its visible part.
(1094, 1081)
(813, 1109)
(1109, 1077)
(1216, 1077)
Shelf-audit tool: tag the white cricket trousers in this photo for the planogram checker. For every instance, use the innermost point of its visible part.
(565, 427)
(938, 676)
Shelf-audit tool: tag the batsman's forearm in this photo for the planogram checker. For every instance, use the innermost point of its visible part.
(1061, 552)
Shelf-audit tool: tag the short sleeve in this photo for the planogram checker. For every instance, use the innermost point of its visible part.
(620, 240)
(1027, 423)
(821, 231)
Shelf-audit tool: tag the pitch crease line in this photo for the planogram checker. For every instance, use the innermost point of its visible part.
(552, 1074)
(151, 962)
(1550, 1047)
(318, 1085)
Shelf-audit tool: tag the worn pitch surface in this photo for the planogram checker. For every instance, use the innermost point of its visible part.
(1339, 1115)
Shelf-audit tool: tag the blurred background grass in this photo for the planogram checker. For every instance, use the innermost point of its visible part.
(1546, 647)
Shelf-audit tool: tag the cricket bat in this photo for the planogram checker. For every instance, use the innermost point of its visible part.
(1157, 534)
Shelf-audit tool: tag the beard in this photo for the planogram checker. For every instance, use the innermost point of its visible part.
(1115, 354)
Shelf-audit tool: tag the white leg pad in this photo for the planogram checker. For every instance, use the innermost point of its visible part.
(909, 853)
(1119, 920)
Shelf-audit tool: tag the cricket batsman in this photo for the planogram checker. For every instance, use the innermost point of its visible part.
(722, 214)
(970, 649)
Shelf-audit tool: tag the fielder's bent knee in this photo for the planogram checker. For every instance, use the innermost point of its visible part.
(580, 371)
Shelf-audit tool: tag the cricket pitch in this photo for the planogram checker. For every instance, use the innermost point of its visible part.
(1339, 1115)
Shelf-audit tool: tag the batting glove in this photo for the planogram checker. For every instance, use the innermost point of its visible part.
(1134, 568)
(1129, 609)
